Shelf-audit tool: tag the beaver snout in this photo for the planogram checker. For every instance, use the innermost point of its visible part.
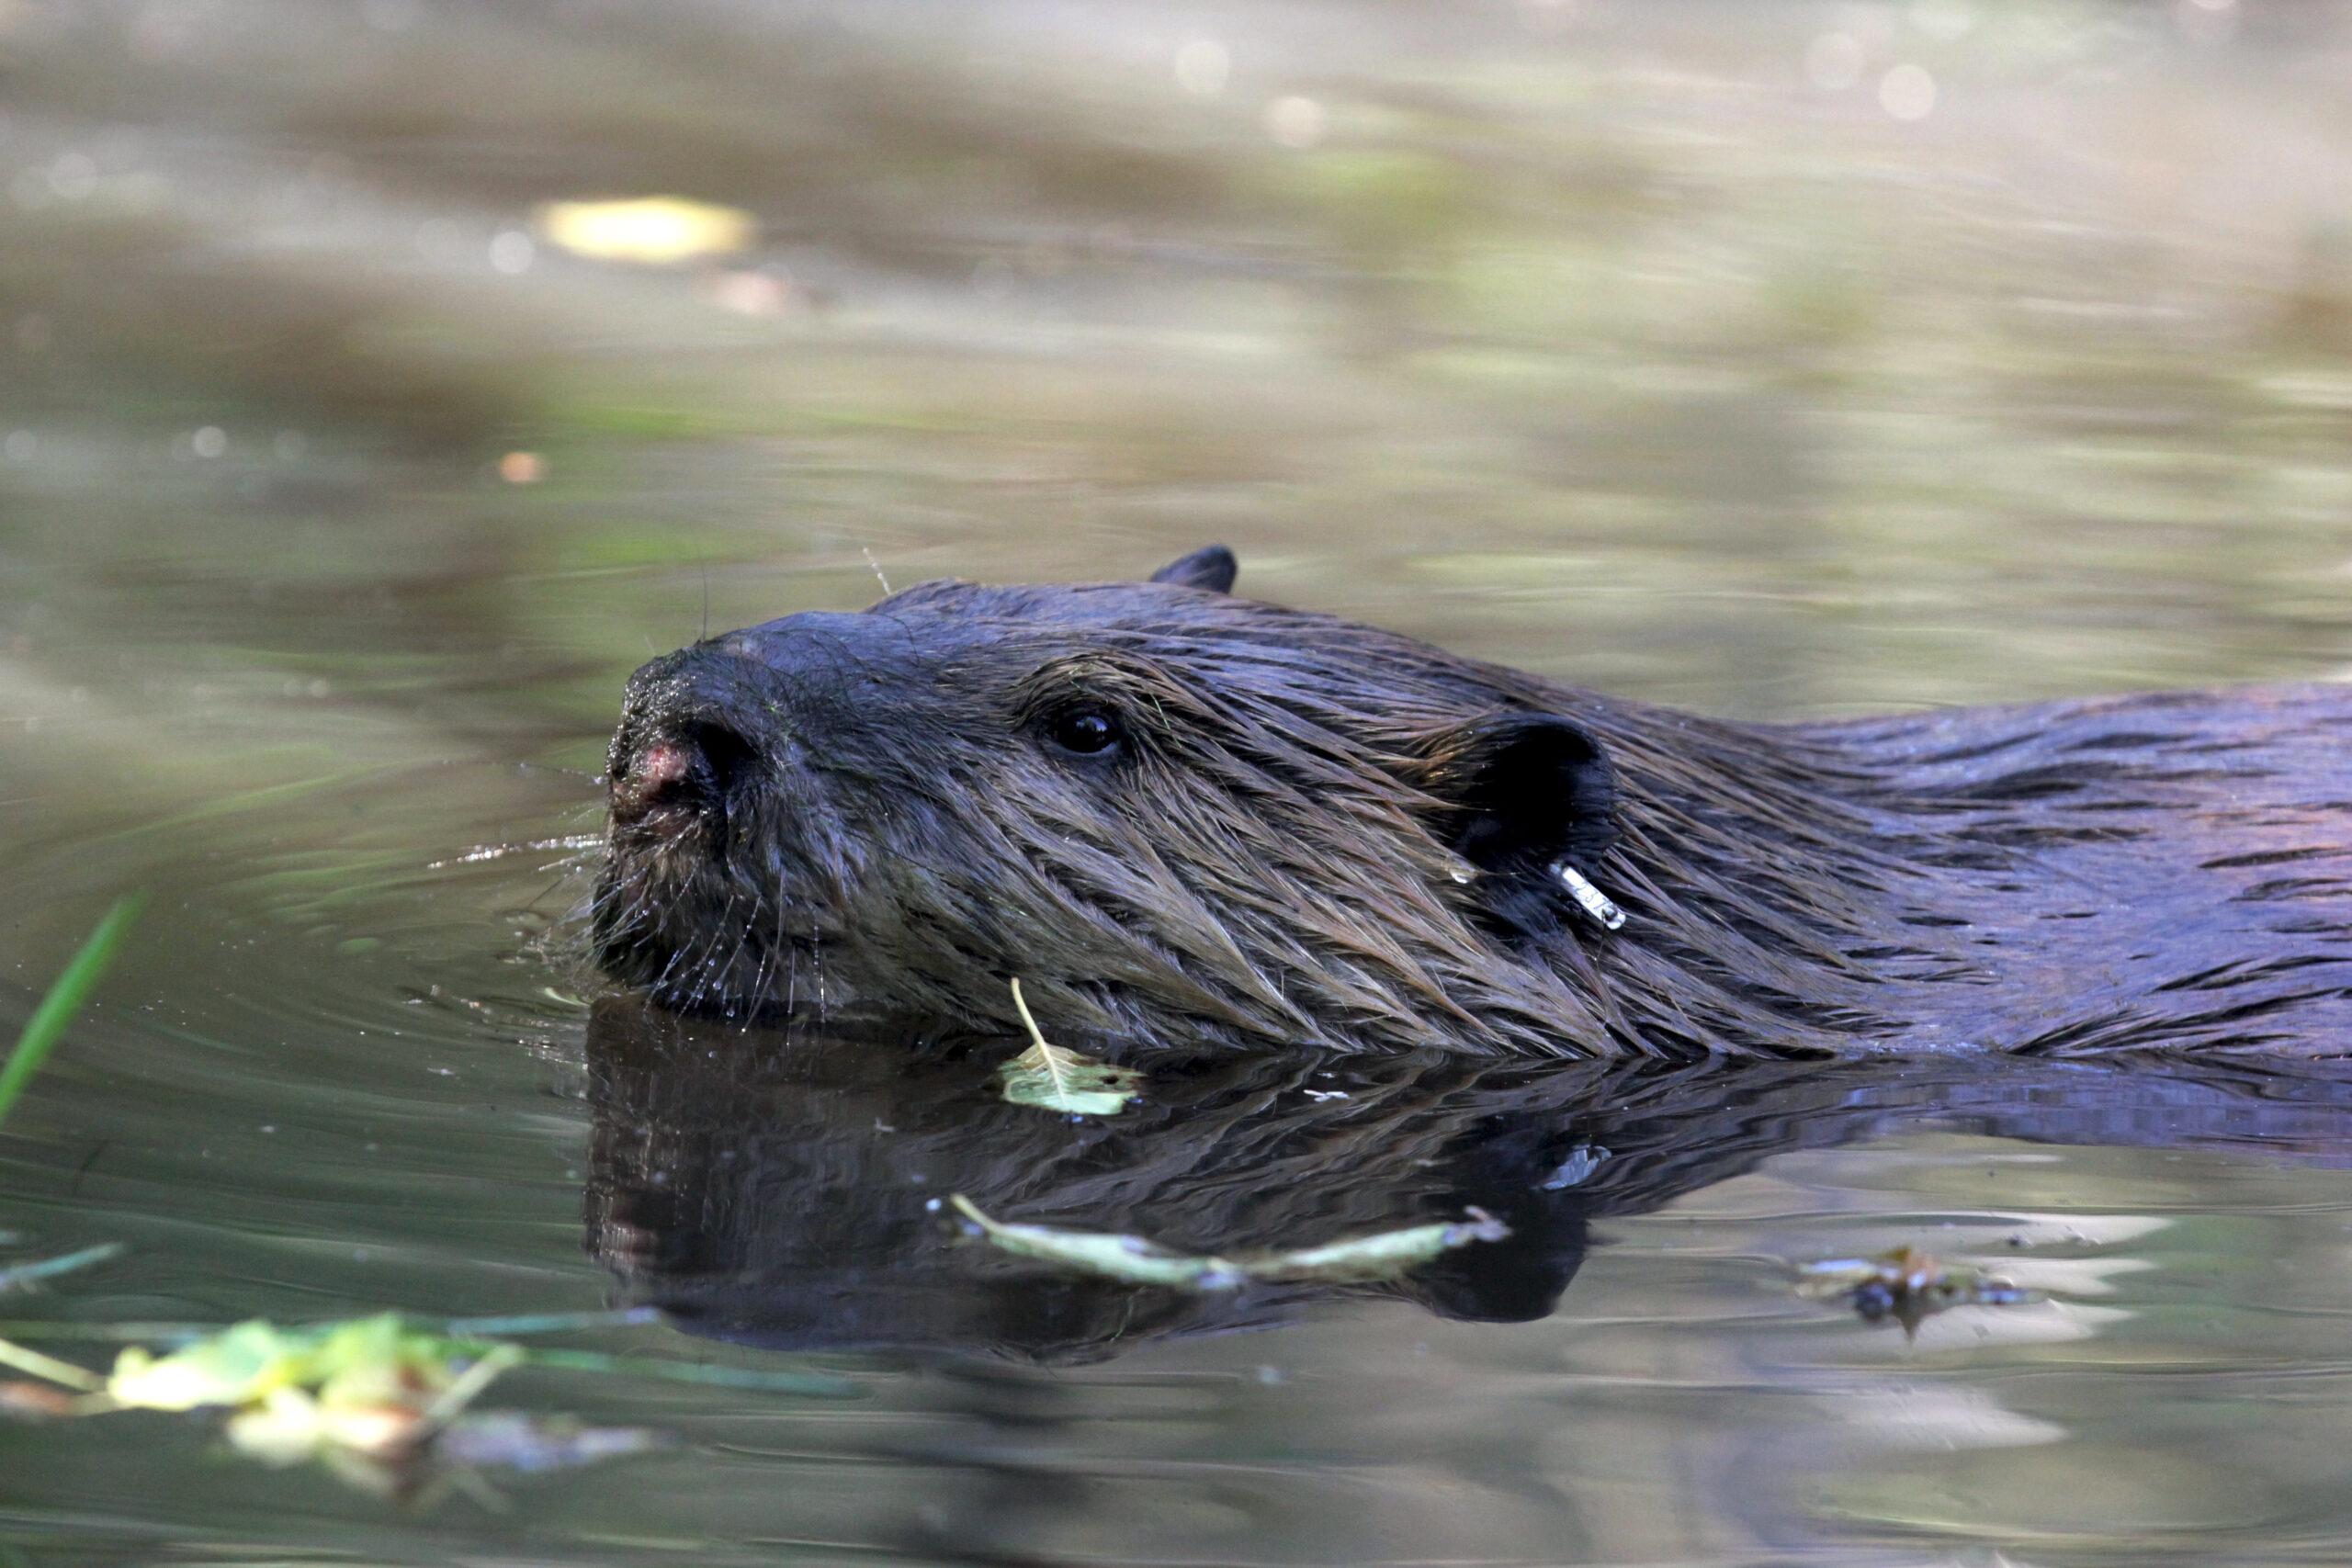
(680, 746)
(693, 766)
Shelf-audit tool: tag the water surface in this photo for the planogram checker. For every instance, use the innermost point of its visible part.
(1650, 347)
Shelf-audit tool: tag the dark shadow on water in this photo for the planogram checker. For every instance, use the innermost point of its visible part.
(778, 1189)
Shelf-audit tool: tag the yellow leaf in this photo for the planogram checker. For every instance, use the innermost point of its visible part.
(654, 231)
(236, 1366)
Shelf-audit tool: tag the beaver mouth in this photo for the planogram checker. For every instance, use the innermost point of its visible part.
(763, 965)
(681, 911)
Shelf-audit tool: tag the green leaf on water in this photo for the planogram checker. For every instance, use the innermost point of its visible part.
(1132, 1259)
(372, 1385)
(66, 998)
(363, 1359)
(372, 1397)
(465, 1337)
(1055, 1079)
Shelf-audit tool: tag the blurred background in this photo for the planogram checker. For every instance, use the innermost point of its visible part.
(1773, 358)
(381, 381)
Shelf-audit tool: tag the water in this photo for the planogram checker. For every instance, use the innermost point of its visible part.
(1649, 347)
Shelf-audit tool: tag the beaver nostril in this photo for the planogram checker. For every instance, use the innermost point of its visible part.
(727, 756)
(691, 765)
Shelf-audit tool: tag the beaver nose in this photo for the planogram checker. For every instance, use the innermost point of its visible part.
(694, 766)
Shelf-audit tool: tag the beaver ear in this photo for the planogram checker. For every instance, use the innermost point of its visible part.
(1211, 568)
(1525, 794)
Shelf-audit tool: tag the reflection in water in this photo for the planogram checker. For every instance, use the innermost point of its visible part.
(1642, 345)
(782, 1189)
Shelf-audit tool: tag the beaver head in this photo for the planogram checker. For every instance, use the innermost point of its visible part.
(1180, 816)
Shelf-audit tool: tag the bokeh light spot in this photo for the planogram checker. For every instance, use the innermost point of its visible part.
(1297, 121)
(512, 252)
(1907, 92)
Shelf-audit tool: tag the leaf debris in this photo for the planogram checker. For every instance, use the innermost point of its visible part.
(1054, 1079)
(371, 1396)
(1135, 1261)
(1905, 1284)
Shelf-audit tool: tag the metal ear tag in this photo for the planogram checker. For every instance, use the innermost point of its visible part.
(1596, 904)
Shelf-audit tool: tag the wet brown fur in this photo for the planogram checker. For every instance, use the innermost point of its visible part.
(1267, 862)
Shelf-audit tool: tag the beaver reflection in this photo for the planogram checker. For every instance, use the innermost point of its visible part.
(777, 1190)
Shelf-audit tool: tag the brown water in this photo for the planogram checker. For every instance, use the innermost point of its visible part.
(1767, 359)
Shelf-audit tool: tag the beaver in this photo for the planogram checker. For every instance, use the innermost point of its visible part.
(1182, 816)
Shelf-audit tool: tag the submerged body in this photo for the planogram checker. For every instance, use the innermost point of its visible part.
(1180, 817)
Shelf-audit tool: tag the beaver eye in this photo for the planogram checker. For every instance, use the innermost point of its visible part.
(1084, 732)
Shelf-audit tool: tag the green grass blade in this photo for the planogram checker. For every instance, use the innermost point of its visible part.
(66, 998)
(50, 1268)
(815, 1385)
(515, 1327)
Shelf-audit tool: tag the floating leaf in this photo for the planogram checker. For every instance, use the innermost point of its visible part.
(654, 231)
(1907, 1285)
(1055, 1079)
(1126, 1258)
(289, 1426)
(466, 1336)
(370, 1386)
(366, 1363)
(239, 1364)
(376, 1399)
(1382, 1255)
(1136, 1261)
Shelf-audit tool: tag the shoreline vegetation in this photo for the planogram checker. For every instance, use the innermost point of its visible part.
(377, 1398)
